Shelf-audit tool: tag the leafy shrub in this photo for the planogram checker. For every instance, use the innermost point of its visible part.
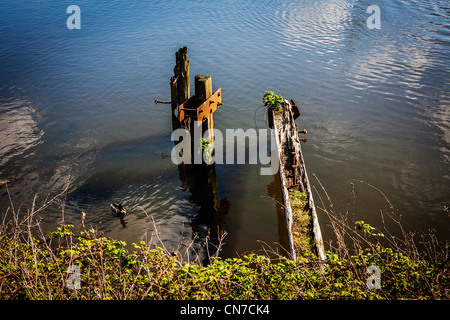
(35, 265)
(270, 99)
(109, 271)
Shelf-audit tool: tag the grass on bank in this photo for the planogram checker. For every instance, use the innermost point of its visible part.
(34, 265)
(301, 226)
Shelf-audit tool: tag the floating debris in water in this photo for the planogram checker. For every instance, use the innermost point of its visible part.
(164, 156)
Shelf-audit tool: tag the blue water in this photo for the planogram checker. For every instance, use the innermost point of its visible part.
(79, 104)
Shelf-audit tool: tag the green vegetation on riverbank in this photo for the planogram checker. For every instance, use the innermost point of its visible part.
(40, 265)
(37, 269)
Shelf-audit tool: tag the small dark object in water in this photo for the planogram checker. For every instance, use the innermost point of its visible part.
(164, 156)
(118, 210)
(295, 111)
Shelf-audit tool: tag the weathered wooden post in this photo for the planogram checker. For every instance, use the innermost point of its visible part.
(199, 107)
(181, 72)
(294, 183)
(203, 91)
(179, 83)
(203, 87)
(186, 110)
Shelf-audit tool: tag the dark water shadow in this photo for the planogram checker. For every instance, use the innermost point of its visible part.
(209, 222)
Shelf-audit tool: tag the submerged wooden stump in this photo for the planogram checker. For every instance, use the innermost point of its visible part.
(304, 234)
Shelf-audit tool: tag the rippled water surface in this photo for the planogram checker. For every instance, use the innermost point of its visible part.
(79, 104)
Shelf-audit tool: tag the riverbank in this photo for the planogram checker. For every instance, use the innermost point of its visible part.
(80, 263)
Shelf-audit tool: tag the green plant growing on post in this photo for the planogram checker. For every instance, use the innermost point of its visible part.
(205, 148)
(272, 100)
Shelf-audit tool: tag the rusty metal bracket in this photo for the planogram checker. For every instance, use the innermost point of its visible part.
(202, 112)
(207, 108)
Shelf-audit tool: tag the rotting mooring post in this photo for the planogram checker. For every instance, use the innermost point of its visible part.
(200, 107)
(179, 83)
(201, 180)
(181, 75)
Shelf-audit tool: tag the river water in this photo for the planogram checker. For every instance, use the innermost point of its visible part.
(78, 104)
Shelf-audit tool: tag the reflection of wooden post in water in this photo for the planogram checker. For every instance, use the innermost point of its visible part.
(273, 191)
(200, 179)
(202, 184)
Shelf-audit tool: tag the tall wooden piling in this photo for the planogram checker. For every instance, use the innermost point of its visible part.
(203, 87)
(200, 107)
(179, 83)
(181, 72)
(203, 91)
(200, 179)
